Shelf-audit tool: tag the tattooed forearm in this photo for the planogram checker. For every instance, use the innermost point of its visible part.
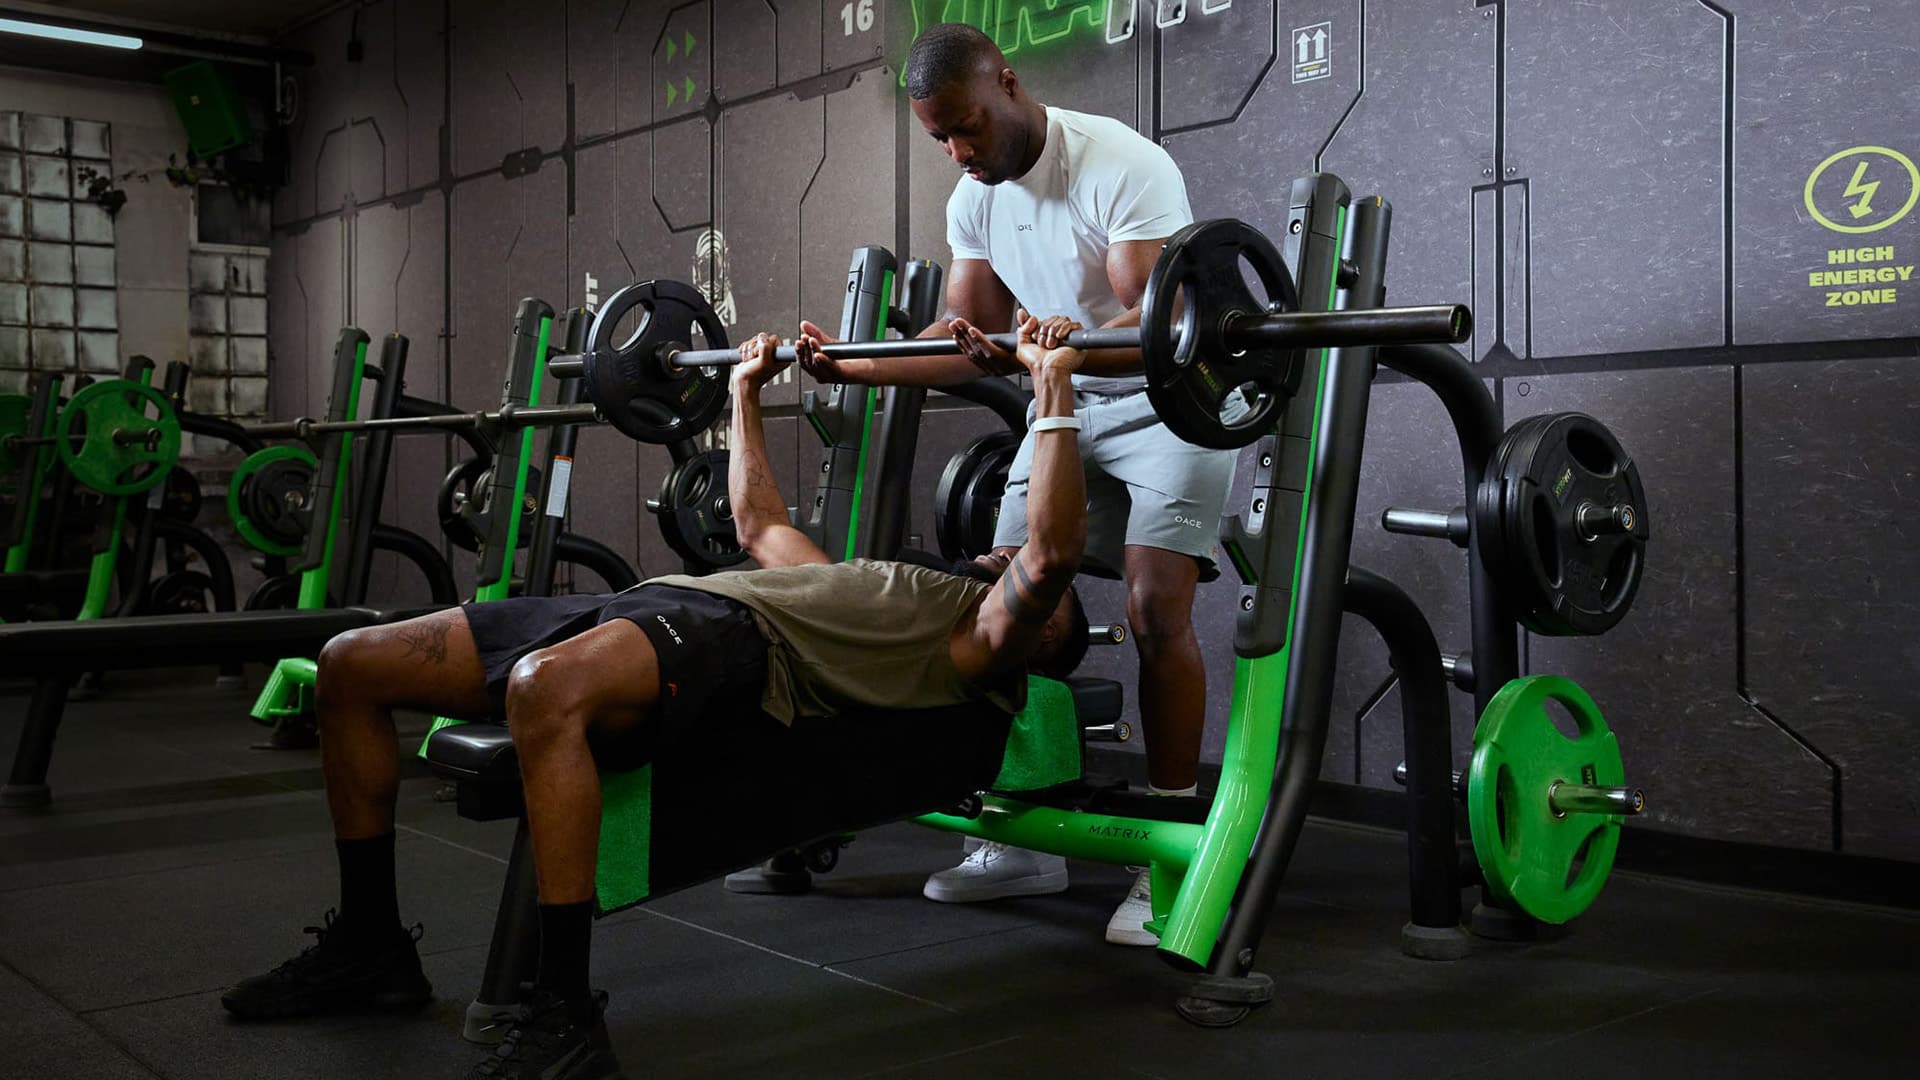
(1017, 594)
(429, 642)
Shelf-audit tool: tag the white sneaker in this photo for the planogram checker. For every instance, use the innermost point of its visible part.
(993, 871)
(1128, 925)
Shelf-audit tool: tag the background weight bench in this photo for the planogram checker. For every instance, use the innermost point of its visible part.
(55, 653)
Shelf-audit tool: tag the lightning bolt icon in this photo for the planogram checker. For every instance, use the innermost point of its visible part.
(1865, 191)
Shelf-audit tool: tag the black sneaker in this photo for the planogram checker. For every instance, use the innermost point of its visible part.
(549, 1041)
(337, 973)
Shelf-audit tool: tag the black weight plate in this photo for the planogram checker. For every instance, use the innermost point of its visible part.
(696, 519)
(1490, 501)
(277, 593)
(181, 497)
(183, 592)
(463, 522)
(1563, 579)
(980, 499)
(951, 500)
(629, 381)
(456, 488)
(1196, 385)
(276, 500)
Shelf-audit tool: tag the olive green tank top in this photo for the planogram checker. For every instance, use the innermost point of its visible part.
(861, 632)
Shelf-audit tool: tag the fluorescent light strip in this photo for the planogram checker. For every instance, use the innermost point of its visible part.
(64, 33)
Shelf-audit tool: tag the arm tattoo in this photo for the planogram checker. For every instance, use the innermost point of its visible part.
(429, 641)
(1016, 595)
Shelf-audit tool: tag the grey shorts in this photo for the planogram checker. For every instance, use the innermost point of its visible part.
(1145, 485)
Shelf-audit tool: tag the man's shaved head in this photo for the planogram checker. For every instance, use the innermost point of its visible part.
(948, 53)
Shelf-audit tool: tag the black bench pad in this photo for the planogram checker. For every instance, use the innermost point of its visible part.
(180, 640)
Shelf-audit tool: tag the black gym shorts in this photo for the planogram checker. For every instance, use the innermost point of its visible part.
(712, 654)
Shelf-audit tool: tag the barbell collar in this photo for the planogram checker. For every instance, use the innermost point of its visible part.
(1431, 323)
(1597, 521)
(1107, 634)
(1565, 798)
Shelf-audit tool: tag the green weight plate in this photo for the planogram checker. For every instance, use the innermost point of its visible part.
(263, 519)
(1551, 865)
(105, 414)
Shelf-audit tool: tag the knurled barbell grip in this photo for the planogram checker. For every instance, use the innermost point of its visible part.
(1431, 323)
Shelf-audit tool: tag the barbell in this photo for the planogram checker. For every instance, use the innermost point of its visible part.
(1220, 361)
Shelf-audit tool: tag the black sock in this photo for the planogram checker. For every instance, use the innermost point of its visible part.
(566, 935)
(369, 903)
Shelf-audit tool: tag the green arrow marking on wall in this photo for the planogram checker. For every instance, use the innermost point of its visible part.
(689, 91)
(688, 47)
(671, 45)
(670, 92)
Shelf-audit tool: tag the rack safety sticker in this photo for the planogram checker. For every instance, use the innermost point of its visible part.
(557, 497)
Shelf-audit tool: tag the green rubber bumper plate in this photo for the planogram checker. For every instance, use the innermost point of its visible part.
(1551, 865)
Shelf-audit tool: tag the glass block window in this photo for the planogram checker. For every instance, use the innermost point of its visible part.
(227, 328)
(58, 307)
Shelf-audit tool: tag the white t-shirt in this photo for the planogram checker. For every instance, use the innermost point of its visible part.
(1097, 183)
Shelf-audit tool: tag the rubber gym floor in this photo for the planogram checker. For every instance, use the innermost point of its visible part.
(175, 860)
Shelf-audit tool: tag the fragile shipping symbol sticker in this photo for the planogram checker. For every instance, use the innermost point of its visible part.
(1862, 189)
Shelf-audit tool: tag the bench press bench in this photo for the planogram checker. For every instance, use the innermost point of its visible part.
(746, 788)
(55, 653)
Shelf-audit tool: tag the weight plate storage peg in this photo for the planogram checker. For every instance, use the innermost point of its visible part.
(110, 444)
(1545, 810)
(696, 519)
(1563, 524)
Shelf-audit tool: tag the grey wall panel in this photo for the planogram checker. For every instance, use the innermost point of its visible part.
(1832, 453)
(401, 94)
(509, 241)
(800, 24)
(771, 152)
(1412, 460)
(1805, 91)
(848, 204)
(1667, 676)
(1420, 136)
(607, 488)
(399, 286)
(289, 341)
(320, 277)
(1243, 169)
(1486, 277)
(507, 67)
(607, 45)
(1089, 76)
(931, 176)
(1627, 206)
(750, 30)
(681, 172)
(1210, 62)
(326, 93)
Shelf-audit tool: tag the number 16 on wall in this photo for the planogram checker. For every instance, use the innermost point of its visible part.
(857, 16)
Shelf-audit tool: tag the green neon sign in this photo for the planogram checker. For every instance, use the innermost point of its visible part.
(1017, 24)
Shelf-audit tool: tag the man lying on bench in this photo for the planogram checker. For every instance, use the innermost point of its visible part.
(631, 672)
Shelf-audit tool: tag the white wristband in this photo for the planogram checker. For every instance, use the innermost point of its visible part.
(1056, 423)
